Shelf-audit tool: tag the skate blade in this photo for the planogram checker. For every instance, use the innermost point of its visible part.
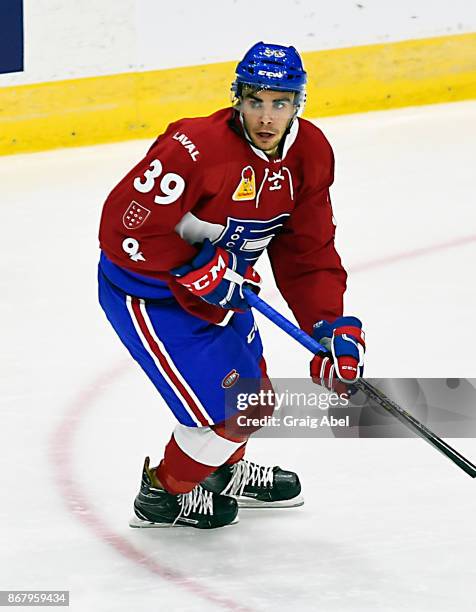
(249, 502)
(137, 523)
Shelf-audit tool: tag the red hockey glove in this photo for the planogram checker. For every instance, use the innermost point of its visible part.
(217, 276)
(343, 362)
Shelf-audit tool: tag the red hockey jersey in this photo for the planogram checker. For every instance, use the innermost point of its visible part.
(203, 179)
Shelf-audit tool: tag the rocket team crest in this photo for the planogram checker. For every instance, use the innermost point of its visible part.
(135, 215)
(246, 189)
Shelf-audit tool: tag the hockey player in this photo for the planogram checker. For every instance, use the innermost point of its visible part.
(179, 237)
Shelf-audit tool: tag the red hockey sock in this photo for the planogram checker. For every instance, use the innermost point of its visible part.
(179, 473)
(237, 455)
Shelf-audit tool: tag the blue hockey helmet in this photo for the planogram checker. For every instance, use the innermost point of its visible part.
(267, 66)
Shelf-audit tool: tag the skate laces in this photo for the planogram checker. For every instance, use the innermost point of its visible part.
(248, 473)
(198, 500)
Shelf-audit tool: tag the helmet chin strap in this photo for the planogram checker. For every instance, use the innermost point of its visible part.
(245, 131)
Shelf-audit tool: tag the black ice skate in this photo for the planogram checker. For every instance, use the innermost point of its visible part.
(155, 507)
(256, 486)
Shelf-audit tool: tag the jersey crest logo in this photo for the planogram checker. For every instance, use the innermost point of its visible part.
(246, 189)
(135, 215)
(230, 379)
(247, 238)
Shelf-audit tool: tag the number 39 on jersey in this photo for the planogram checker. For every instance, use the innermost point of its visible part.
(171, 185)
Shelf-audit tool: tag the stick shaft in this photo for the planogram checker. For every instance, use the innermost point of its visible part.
(412, 423)
(402, 415)
(285, 324)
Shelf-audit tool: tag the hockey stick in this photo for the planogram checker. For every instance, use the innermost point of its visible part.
(380, 398)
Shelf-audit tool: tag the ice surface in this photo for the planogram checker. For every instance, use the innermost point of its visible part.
(388, 525)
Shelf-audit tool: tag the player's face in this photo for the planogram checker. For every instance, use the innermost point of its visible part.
(266, 115)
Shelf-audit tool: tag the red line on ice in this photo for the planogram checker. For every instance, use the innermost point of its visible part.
(391, 259)
(413, 254)
(77, 502)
